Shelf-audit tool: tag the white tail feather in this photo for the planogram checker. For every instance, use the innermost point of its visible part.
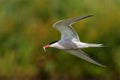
(95, 45)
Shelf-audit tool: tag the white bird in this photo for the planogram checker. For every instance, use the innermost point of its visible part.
(70, 41)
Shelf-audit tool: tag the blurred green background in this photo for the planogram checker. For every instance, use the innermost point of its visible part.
(26, 26)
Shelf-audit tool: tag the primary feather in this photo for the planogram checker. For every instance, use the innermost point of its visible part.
(79, 53)
(65, 28)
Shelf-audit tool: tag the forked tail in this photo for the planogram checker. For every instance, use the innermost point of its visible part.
(95, 45)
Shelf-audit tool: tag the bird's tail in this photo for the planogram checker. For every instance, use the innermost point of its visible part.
(95, 45)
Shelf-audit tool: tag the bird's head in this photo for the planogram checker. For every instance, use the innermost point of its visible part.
(49, 45)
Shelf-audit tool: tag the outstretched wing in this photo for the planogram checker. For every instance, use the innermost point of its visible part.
(65, 28)
(79, 53)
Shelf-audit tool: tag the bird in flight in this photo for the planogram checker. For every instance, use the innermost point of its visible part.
(70, 41)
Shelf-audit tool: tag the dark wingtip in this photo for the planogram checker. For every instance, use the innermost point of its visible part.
(88, 16)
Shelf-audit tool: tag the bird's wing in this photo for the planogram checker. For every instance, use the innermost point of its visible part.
(79, 53)
(65, 28)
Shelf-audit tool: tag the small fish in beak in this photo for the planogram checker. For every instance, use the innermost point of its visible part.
(46, 46)
(44, 49)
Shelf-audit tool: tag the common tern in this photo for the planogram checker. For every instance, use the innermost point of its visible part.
(70, 41)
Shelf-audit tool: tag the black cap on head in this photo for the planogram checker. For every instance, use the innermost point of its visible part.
(53, 42)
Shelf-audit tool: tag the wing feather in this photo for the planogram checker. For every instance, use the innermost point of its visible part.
(65, 28)
(79, 53)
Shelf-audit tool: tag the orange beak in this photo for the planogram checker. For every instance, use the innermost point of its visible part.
(46, 46)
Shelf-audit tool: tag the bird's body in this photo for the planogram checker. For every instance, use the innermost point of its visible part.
(70, 41)
(71, 44)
